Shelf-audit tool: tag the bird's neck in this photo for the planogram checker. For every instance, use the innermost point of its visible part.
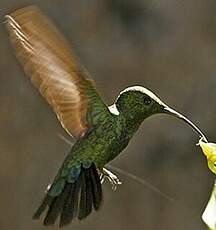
(131, 118)
(132, 121)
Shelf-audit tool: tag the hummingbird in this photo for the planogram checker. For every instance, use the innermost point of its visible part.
(101, 132)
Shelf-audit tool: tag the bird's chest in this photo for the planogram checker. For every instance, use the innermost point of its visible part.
(108, 141)
(118, 145)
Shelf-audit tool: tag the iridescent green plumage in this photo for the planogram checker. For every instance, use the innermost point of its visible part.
(102, 132)
(99, 146)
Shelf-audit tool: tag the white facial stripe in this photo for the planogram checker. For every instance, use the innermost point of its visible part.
(113, 109)
(145, 91)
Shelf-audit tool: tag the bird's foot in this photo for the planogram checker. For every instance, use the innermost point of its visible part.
(113, 179)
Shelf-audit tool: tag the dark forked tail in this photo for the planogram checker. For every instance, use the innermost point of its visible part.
(76, 199)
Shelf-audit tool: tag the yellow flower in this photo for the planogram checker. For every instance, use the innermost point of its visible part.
(209, 149)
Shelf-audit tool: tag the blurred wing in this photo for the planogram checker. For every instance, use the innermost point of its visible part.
(47, 59)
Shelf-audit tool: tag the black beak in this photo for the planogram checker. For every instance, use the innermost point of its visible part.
(174, 113)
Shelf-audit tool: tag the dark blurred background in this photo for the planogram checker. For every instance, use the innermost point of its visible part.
(169, 46)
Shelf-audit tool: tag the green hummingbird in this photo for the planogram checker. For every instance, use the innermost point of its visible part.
(102, 132)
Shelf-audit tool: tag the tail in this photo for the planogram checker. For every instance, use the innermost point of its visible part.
(72, 199)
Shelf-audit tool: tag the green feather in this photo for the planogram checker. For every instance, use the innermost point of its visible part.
(57, 187)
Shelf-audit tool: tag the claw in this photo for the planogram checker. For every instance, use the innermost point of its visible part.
(102, 178)
(113, 179)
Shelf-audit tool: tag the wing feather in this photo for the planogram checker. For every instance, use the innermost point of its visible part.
(47, 59)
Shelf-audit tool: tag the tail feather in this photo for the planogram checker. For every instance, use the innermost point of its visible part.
(89, 198)
(96, 188)
(46, 202)
(56, 206)
(75, 200)
(69, 209)
(86, 196)
(83, 198)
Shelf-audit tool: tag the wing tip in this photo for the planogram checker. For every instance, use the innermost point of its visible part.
(24, 10)
(11, 18)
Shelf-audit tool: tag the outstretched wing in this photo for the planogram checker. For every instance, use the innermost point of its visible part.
(46, 58)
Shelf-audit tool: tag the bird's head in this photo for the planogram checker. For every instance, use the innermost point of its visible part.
(138, 103)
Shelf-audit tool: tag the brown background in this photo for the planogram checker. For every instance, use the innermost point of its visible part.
(168, 46)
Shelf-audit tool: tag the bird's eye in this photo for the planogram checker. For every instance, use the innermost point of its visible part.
(147, 100)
